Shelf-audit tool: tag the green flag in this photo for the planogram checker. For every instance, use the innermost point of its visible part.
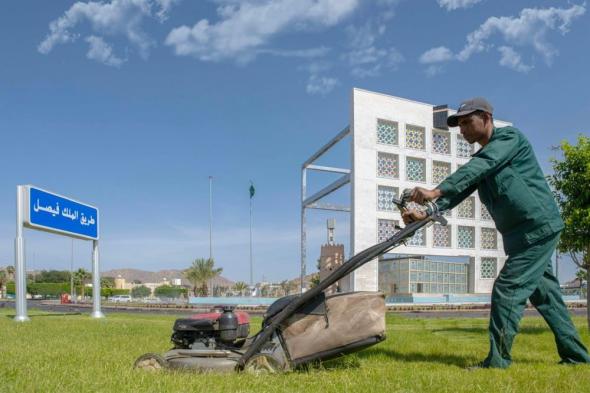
(252, 190)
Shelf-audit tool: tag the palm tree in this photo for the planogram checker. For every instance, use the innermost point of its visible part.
(240, 287)
(81, 276)
(201, 271)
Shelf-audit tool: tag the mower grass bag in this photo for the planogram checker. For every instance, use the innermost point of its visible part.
(340, 324)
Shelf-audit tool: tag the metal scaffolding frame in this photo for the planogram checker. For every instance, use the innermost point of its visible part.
(313, 201)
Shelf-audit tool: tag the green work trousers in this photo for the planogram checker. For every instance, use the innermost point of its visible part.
(528, 274)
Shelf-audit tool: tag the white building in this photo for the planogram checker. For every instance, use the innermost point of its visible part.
(396, 143)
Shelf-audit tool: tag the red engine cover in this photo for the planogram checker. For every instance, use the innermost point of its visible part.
(214, 315)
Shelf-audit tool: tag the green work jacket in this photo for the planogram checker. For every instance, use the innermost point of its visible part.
(511, 185)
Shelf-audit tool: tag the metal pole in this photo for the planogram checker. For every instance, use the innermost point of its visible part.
(210, 217)
(251, 264)
(96, 313)
(557, 265)
(19, 259)
(303, 227)
(72, 273)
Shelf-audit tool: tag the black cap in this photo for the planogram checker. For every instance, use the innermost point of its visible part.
(469, 106)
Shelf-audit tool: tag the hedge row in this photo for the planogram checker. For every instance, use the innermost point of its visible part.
(56, 289)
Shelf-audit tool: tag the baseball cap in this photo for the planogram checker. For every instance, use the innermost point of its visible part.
(469, 106)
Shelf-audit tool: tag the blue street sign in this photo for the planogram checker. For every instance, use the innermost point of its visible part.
(55, 213)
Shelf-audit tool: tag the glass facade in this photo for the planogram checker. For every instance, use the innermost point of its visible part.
(408, 275)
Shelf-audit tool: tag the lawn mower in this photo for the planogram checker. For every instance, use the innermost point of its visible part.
(296, 330)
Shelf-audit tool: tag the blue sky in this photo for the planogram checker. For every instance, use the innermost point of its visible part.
(131, 104)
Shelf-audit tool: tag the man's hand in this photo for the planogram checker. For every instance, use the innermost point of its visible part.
(420, 195)
(413, 215)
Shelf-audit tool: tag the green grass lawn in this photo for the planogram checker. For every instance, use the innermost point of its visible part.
(73, 353)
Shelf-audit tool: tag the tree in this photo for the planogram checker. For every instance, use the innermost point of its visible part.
(286, 287)
(240, 287)
(314, 280)
(167, 291)
(10, 272)
(201, 271)
(571, 184)
(3, 282)
(141, 291)
(81, 276)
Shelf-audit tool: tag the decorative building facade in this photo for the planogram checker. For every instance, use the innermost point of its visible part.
(397, 144)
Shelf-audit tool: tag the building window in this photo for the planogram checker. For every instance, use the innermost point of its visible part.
(387, 132)
(441, 142)
(489, 267)
(415, 169)
(387, 165)
(489, 239)
(466, 236)
(386, 229)
(385, 195)
(464, 148)
(415, 137)
(485, 214)
(440, 171)
(441, 235)
(419, 239)
(466, 209)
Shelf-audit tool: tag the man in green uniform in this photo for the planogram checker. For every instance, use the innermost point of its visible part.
(511, 185)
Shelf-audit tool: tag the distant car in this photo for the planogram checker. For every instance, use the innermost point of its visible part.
(120, 299)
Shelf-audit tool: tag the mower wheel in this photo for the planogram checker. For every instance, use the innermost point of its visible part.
(262, 364)
(152, 362)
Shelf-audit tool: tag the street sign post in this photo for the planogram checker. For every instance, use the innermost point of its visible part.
(43, 210)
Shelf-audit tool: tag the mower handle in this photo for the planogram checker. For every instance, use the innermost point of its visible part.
(433, 215)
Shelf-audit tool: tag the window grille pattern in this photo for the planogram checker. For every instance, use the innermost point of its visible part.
(388, 165)
(441, 235)
(441, 142)
(419, 239)
(385, 229)
(464, 149)
(415, 137)
(489, 267)
(466, 236)
(489, 239)
(440, 171)
(415, 169)
(466, 209)
(384, 196)
(485, 214)
(387, 132)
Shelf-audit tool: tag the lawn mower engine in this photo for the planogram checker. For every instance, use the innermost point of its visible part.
(221, 328)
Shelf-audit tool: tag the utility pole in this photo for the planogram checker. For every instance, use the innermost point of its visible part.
(210, 217)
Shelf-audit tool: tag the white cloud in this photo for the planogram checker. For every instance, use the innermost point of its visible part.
(436, 55)
(512, 60)
(320, 84)
(300, 53)
(452, 5)
(529, 28)
(118, 17)
(365, 58)
(102, 52)
(248, 25)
